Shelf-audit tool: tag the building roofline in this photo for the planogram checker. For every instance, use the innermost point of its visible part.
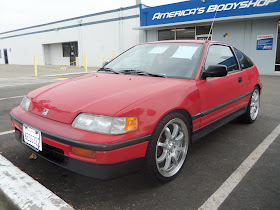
(74, 18)
(72, 26)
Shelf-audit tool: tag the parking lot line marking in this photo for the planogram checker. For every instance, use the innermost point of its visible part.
(21, 84)
(218, 197)
(24, 192)
(61, 79)
(16, 85)
(55, 75)
(6, 132)
(10, 97)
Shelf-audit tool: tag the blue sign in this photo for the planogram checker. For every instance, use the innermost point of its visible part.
(265, 42)
(196, 10)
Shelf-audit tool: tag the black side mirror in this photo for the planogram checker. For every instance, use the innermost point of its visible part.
(215, 71)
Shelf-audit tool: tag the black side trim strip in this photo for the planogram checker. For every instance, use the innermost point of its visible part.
(198, 115)
(209, 111)
(218, 123)
(86, 145)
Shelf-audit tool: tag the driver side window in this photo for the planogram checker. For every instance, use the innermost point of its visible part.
(221, 55)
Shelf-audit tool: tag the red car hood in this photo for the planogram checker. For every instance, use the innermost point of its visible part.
(99, 93)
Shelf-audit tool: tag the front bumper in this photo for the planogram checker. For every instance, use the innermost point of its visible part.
(112, 160)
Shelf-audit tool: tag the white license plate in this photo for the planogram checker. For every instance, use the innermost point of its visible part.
(32, 138)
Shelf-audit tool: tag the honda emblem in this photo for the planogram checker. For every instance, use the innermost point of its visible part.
(45, 112)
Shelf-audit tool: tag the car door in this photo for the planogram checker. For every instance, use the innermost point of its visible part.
(221, 96)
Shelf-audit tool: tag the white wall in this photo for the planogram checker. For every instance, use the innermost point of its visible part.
(56, 55)
(22, 48)
(2, 56)
(96, 40)
(108, 40)
(243, 35)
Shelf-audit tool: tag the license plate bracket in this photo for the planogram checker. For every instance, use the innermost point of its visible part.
(32, 137)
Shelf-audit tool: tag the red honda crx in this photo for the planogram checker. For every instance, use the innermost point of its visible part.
(142, 109)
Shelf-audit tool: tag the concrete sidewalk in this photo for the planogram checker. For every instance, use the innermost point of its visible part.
(17, 71)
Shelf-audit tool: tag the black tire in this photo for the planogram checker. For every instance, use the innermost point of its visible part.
(248, 117)
(170, 139)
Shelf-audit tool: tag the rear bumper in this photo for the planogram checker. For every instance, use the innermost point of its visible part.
(112, 160)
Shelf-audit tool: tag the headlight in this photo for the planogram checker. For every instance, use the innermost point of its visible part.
(105, 124)
(25, 103)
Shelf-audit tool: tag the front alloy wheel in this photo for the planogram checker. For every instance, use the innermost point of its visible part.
(168, 149)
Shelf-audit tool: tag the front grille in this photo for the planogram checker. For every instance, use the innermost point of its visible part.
(52, 153)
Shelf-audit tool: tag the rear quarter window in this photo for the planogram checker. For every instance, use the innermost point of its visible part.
(244, 61)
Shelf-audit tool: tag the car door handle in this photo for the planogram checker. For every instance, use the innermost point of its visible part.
(240, 79)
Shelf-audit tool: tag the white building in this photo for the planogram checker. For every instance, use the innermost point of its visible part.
(251, 26)
(96, 35)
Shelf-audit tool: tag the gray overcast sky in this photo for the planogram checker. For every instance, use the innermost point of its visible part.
(16, 14)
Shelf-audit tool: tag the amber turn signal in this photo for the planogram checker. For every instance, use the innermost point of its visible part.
(131, 124)
(83, 152)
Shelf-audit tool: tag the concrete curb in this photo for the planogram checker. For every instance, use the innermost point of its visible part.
(6, 202)
(20, 191)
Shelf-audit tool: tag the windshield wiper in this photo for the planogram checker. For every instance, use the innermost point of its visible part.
(108, 70)
(139, 72)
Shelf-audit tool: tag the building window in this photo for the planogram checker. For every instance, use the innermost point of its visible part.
(202, 30)
(70, 49)
(185, 33)
(202, 33)
(168, 34)
(190, 33)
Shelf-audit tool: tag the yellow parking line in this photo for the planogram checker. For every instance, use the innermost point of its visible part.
(60, 79)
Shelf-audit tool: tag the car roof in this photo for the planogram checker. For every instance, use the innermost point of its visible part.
(185, 41)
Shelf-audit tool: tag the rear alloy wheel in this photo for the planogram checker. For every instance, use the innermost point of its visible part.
(168, 149)
(253, 107)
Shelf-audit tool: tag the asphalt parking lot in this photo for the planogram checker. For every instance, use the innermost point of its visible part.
(211, 161)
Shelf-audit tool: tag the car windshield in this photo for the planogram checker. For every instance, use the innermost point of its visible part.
(176, 60)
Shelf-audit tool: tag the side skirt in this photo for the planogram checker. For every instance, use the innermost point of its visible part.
(197, 134)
